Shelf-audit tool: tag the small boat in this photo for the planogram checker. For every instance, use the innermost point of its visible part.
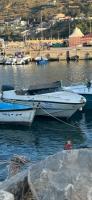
(52, 99)
(10, 61)
(11, 112)
(41, 60)
(74, 58)
(23, 60)
(84, 90)
(2, 59)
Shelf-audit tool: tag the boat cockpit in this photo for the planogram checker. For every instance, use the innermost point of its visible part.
(35, 89)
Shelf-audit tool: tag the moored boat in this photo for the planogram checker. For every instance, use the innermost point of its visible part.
(84, 90)
(10, 61)
(52, 100)
(41, 60)
(2, 59)
(17, 60)
(11, 112)
(23, 60)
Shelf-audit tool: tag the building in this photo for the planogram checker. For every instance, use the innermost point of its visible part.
(75, 37)
(61, 17)
(78, 38)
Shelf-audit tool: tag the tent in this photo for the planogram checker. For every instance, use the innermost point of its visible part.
(77, 33)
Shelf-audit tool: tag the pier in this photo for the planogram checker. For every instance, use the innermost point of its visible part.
(34, 48)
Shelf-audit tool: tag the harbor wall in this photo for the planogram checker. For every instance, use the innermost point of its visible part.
(35, 49)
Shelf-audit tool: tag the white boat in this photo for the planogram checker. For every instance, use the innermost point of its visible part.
(2, 59)
(10, 61)
(16, 113)
(23, 60)
(51, 102)
(40, 58)
(84, 90)
(17, 60)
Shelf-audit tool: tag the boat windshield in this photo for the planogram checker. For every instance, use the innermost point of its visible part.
(36, 91)
(40, 89)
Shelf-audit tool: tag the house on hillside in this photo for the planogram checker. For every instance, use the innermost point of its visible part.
(42, 27)
(61, 17)
(52, 2)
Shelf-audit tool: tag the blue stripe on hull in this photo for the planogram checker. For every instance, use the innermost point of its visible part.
(13, 106)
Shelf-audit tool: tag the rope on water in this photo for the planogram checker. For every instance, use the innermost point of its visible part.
(59, 119)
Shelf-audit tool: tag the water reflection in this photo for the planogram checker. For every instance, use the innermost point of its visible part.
(46, 136)
(25, 75)
(87, 128)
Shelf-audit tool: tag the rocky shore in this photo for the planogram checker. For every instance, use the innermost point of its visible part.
(65, 175)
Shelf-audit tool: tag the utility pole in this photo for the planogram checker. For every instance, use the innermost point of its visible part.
(90, 26)
(51, 34)
(89, 20)
(69, 27)
(58, 35)
(41, 27)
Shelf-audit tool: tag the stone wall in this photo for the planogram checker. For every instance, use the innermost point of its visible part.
(35, 50)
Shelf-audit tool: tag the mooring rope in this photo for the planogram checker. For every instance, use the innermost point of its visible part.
(60, 120)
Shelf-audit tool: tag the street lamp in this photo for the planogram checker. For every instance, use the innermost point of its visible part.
(69, 27)
(58, 35)
(90, 26)
(89, 18)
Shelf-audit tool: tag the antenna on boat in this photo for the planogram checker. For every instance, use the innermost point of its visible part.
(61, 82)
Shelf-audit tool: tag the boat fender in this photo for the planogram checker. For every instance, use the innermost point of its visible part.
(80, 108)
(82, 100)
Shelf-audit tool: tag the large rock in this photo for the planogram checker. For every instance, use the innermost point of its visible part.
(17, 185)
(6, 195)
(64, 176)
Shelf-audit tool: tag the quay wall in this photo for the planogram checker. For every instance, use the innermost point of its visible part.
(34, 49)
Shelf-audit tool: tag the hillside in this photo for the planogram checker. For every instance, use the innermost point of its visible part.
(30, 11)
(13, 8)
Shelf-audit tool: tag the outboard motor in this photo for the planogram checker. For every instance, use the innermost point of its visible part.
(6, 88)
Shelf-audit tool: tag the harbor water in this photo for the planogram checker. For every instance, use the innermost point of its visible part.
(46, 136)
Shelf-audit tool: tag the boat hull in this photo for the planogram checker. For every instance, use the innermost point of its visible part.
(42, 62)
(58, 109)
(85, 92)
(16, 113)
(22, 116)
(62, 110)
(59, 104)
